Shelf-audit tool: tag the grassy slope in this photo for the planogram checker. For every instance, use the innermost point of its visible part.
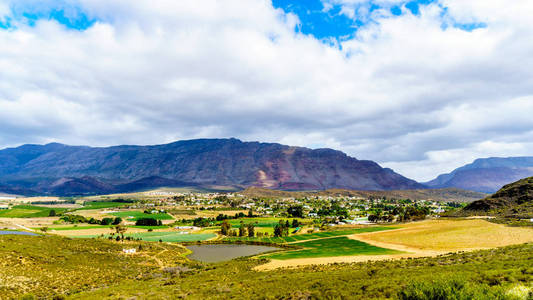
(28, 211)
(51, 265)
(328, 247)
(487, 271)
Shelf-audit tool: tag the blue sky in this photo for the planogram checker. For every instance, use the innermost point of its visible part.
(420, 86)
(324, 19)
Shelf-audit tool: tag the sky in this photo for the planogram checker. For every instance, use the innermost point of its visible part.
(422, 87)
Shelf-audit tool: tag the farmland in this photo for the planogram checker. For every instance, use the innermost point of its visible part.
(329, 247)
(135, 215)
(28, 211)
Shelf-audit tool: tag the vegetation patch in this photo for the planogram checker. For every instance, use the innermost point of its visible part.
(328, 247)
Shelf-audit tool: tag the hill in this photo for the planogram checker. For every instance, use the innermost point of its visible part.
(513, 200)
(447, 194)
(486, 175)
(69, 170)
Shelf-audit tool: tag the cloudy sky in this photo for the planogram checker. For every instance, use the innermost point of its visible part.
(419, 86)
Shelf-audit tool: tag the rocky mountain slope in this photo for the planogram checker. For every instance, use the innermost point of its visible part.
(486, 175)
(513, 200)
(67, 170)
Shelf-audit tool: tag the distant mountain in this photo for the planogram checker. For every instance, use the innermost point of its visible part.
(486, 175)
(68, 170)
(513, 200)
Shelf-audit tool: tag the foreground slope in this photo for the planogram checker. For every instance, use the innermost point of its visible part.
(513, 200)
(61, 169)
(486, 175)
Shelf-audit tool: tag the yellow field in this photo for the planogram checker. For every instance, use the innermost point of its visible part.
(451, 235)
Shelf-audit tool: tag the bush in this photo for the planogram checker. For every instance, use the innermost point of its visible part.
(449, 289)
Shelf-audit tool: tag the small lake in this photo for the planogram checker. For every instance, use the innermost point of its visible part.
(224, 252)
(16, 233)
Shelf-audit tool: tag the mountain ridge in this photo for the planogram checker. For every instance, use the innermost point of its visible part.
(486, 174)
(62, 169)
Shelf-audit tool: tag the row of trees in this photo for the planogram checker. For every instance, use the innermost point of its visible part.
(148, 222)
(75, 219)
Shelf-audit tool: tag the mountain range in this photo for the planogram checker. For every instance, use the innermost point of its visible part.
(486, 175)
(59, 169)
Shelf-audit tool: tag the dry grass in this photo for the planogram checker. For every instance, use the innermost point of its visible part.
(451, 235)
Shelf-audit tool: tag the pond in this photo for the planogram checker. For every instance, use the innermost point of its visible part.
(223, 252)
(16, 233)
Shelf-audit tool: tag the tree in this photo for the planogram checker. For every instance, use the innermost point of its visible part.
(242, 230)
(44, 229)
(106, 221)
(119, 229)
(251, 230)
(225, 227)
(146, 222)
(117, 221)
(295, 223)
(250, 213)
(296, 211)
(52, 213)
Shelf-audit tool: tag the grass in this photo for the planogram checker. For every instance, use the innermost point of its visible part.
(165, 236)
(328, 247)
(133, 215)
(101, 205)
(311, 236)
(28, 211)
(52, 265)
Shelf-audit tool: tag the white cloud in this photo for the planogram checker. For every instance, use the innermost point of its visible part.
(404, 92)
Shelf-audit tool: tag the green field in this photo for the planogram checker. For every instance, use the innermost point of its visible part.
(135, 215)
(101, 204)
(311, 236)
(328, 247)
(167, 236)
(28, 211)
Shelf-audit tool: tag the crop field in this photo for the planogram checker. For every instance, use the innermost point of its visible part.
(164, 236)
(101, 204)
(328, 247)
(135, 215)
(28, 211)
(311, 236)
(451, 235)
